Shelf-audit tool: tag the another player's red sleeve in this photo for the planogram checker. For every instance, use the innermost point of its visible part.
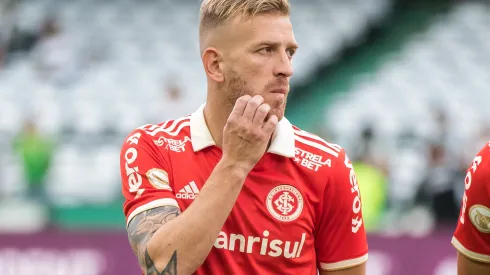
(340, 236)
(145, 175)
(472, 235)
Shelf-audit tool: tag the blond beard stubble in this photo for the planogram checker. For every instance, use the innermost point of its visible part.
(237, 87)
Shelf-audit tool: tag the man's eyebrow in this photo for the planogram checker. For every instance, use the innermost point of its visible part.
(266, 43)
(275, 44)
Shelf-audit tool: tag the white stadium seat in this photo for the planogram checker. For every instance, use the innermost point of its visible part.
(138, 44)
(447, 65)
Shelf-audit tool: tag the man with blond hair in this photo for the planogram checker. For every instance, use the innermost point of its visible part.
(234, 188)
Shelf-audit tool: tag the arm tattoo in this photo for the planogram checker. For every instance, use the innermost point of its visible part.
(170, 269)
(140, 230)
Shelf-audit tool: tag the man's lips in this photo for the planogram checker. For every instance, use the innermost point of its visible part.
(280, 91)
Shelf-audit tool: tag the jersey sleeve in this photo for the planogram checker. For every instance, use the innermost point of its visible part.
(341, 238)
(145, 175)
(472, 235)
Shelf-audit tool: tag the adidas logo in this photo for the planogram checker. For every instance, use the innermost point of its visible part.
(190, 191)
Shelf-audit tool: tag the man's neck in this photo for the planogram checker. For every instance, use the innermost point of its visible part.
(216, 114)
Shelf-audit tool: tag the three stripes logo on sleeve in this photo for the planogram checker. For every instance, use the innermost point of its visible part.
(189, 192)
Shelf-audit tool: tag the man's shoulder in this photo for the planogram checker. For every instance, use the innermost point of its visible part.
(167, 131)
(315, 144)
(480, 165)
(169, 128)
(485, 152)
(474, 221)
(314, 152)
(479, 170)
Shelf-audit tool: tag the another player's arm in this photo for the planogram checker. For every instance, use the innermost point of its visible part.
(357, 270)
(466, 266)
(169, 242)
(470, 240)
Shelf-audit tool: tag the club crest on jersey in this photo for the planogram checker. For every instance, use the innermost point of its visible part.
(480, 217)
(285, 203)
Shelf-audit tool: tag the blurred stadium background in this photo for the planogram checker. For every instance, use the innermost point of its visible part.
(403, 86)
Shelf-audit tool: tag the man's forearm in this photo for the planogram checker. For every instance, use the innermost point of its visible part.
(188, 239)
(466, 266)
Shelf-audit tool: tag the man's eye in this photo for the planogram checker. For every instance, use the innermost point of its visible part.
(291, 52)
(266, 50)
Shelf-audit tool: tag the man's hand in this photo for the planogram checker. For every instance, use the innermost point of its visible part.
(248, 131)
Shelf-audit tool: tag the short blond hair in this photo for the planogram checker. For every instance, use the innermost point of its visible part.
(215, 13)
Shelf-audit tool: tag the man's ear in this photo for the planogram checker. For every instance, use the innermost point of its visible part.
(211, 59)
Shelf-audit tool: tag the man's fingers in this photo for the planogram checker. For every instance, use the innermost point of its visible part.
(252, 106)
(240, 105)
(270, 125)
(261, 114)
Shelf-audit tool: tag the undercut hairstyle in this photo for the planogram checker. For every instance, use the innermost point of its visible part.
(215, 13)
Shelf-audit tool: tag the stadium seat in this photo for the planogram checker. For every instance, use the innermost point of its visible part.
(137, 46)
(447, 67)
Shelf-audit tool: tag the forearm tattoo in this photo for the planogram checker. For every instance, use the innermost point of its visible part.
(170, 269)
(140, 230)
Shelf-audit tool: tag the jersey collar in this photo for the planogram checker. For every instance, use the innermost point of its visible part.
(282, 140)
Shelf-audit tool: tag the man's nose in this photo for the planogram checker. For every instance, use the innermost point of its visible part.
(284, 66)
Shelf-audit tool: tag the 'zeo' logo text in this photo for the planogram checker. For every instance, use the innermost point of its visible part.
(356, 203)
(134, 178)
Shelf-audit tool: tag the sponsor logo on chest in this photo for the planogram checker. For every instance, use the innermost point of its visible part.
(260, 245)
(285, 204)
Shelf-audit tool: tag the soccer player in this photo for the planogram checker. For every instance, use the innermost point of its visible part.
(472, 236)
(234, 188)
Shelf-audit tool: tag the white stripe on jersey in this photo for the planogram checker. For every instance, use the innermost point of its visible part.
(302, 133)
(176, 132)
(468, 253)
(318, 146)
(194, 187)
(344, 264)
(174, 124)
(187, 189)
(164, 124)
(147, 125)
(151, 205)
(171, 128)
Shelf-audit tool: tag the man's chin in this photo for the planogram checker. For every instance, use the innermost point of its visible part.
(277, 112)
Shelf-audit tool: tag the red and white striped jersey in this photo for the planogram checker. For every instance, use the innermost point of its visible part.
(472, 236)
(299, 209)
